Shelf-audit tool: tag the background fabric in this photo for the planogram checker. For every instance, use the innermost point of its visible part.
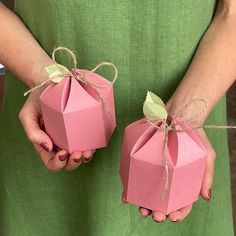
(152, 43)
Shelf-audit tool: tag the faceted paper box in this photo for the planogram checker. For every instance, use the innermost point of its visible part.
(74, 116)
(142, 168)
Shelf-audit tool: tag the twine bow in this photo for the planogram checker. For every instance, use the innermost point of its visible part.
(154, 110)
(57, 72)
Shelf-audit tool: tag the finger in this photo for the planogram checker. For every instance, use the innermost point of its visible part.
(74, 160)
(180, 214)
(45, 155)
(87, 155)
(209, 169)
(208, 177)
(29, 119)
(53, 161)
(123, 198)
(158, 216)
(144, 212)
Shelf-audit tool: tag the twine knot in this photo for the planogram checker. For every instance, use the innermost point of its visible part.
(57, 72)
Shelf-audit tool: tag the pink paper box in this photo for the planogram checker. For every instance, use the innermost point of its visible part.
(142, 167)
(74, 116)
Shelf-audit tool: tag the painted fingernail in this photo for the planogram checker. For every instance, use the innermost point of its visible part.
(45, 146)
(77, 160)
(63, 157)
(209, 194)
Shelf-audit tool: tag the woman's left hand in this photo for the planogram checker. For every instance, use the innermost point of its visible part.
(205, 193)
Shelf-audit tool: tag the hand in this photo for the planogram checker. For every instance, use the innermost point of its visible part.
(205, 193)
(53, 157)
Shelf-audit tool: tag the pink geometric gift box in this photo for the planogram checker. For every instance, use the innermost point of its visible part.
(142, 167)
(74, 116)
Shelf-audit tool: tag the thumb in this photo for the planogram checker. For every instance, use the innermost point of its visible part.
(209, 169)
(29, 118)
(206, 191)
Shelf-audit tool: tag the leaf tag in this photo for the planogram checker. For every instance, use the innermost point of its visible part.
(154, 108)
(56, 72)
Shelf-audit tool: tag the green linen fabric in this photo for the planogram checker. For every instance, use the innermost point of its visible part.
(152, 43)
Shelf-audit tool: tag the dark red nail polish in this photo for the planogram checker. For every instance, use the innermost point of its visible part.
(63, 157)
(209, 194)
(44, 145)
(77, 160)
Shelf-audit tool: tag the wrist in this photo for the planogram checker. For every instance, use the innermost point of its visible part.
(39, 72)
(192, 110)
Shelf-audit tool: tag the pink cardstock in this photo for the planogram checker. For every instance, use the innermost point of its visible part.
(74, 116)
(142, 169)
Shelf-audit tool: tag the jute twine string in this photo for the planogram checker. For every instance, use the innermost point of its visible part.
(75, 74)
(167, 127)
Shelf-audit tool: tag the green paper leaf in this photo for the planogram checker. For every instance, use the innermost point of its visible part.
(56, 72)
(154, 108)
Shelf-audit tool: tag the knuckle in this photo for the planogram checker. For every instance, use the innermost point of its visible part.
(212, 154)
(210, 175)
(31, 137)
(21, 115)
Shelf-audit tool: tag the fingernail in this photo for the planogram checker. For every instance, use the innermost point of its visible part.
(63, 157)
(45, 146)
(77, 160)
(209, 194)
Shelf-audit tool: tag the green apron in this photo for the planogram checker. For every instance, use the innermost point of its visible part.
(152, 43)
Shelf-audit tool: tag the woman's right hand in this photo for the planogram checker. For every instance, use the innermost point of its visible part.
(53, 158)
